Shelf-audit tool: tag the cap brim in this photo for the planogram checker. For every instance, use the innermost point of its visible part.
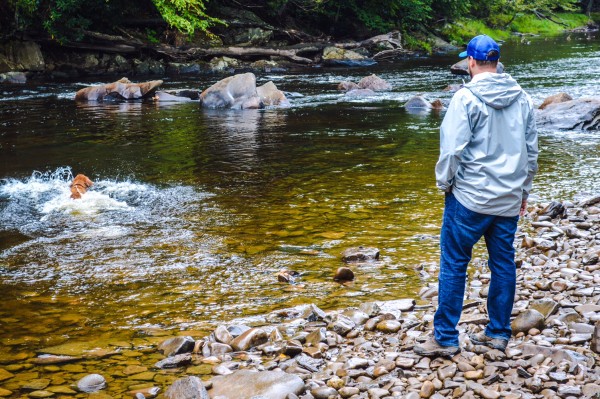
(463, 54)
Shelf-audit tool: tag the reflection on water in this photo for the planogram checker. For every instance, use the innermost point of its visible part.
(194, 211)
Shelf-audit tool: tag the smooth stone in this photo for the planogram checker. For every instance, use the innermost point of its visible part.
(270, 384)
(405, 362)
(91, 383)
(322, 392)
(5, 375)
(5, 392)
(187, 388)
(389, 326)
(360, 254)
(569, 390)
(177, 345)
(174, 361)
(546, 307)
(223, 335)
(427, 389)
(148, 392)
(134, 369)
(249, 339)
(344, 274)
(447, 372)
(347, 392)
(357, 316)
(527, 320)
(356, 363)
(474, 375)
(62, 389)
(40, 394)
(36, 385)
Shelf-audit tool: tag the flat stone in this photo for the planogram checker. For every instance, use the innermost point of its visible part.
(569, 390)
(5, 375)
(40, 394)
(36, 385)
(427, 389)
(62, 389)
(527, 320)
(389, 326)
(268, 384)
(174, 361)
(546, 307)
(322, 392)
(145, 376)
(134, 369)
(5, 392)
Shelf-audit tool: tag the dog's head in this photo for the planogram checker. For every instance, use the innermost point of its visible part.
(82, 180)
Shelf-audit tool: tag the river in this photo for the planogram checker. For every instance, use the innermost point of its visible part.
(193, 212)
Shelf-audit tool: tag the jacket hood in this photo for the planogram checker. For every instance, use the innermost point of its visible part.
(498, 90)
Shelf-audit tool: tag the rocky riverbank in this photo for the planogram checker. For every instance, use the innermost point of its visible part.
(367, 352)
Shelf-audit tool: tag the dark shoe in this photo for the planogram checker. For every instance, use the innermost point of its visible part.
(481, 339)
(431, 348)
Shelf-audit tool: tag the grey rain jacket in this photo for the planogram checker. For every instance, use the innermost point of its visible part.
(488, 145)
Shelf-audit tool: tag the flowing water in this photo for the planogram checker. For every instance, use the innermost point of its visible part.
(193, 212)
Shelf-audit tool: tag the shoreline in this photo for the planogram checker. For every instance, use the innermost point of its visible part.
(367, 352)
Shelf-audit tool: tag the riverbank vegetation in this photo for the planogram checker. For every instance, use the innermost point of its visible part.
(204, 22)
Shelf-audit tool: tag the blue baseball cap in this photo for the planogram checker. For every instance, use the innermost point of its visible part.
(482, 48)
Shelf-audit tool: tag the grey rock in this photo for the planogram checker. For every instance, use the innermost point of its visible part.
(342, 325)
(177, 345)
(235, 92)
(249, 339)
(546, 307)
(375, 83)
(174, 361)
(91, 383)
(187, 388)
(579, 114)
(527, 320)
(245, 384)
(360, 254)
(461, 68)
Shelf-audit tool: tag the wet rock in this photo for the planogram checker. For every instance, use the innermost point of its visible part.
(187, 388)
(359, 318)
(375, 83)
(174, 361)
(418, 102)
(177, 345)
(223, 335)
(5, 375)
(553, 210)
(249, 339)
(91, 383)
(19, 55)
(360, 254)
(389, 326)
(339, 56)
(36, 385)
(173, 97)
(347, 86)
(555, 99)
(271, 96)
(344, 274)
(223, 64)
(235, 92)
(13, 78)
(245, 384)
(578, 114)
(342, 325)
(287, 276)
(122, 89)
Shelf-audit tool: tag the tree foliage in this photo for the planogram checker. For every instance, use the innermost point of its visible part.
(69, 19)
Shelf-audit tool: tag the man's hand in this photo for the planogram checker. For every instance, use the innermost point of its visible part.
(523, 207)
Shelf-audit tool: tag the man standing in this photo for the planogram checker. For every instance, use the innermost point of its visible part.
(488, 157)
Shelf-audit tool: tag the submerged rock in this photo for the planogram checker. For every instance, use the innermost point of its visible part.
(91, 383)
(375, 83)
(360, 254)
(177, 345)
(270, 95)
(344, 274)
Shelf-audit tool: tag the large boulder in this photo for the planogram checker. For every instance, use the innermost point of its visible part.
(461, 67)
(245, 384)
(13, 78)
(555, 99)
(122, 89)
(21, 56)
(270, 95)
(236, 92)
(375, 83)
(579, 114)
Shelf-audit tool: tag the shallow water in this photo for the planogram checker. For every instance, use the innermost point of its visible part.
(193, 212)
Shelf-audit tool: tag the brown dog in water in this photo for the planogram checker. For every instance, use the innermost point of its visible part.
(80, 185)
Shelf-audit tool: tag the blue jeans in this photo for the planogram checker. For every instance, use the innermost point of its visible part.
(461, 229)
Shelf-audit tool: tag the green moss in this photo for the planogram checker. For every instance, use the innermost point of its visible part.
(415, 43)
